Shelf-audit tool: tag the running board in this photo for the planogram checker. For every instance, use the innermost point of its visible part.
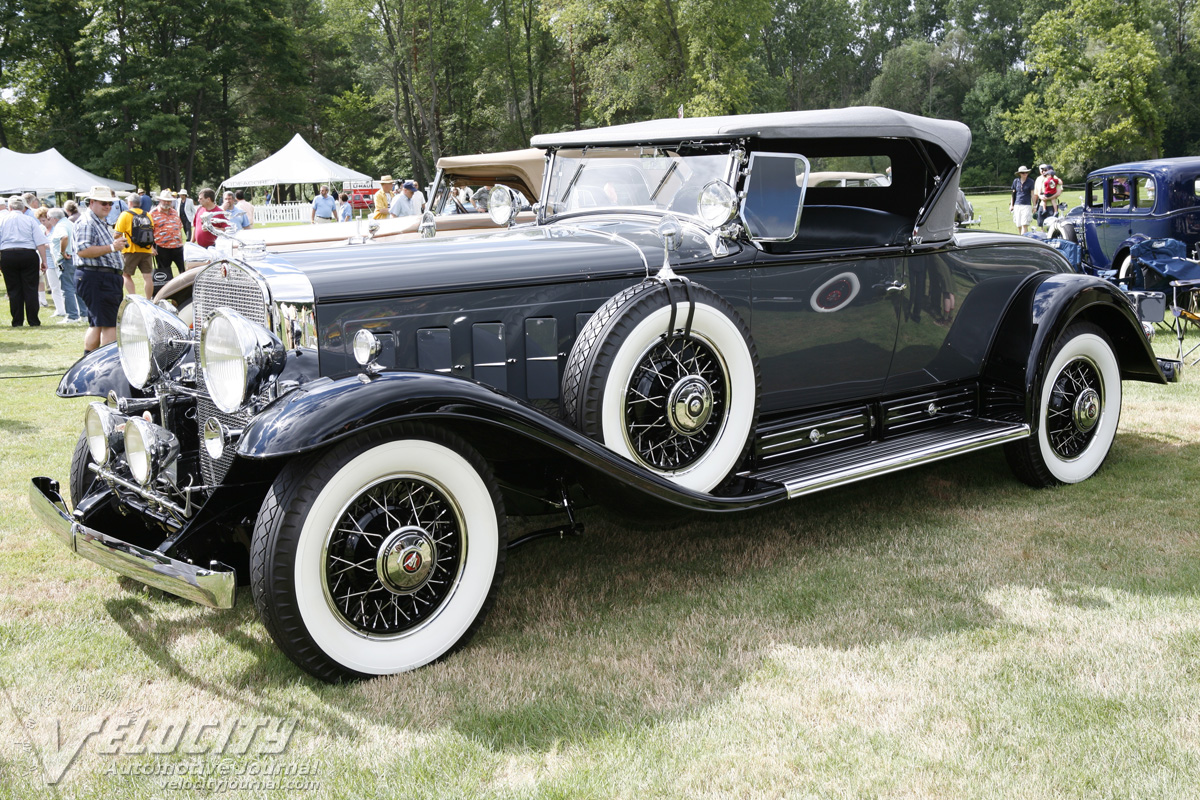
(881, 457)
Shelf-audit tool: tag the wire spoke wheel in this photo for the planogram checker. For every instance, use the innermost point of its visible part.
(675, 403)
(393, 556)
(1076, 404)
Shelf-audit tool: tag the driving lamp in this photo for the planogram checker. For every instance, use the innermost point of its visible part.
(150, 339)
(150, 451)
(105, 436)
(718, 203)
(237, 357)
(366, 347)
(502, 205)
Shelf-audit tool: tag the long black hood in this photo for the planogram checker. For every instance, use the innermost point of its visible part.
(562, 252)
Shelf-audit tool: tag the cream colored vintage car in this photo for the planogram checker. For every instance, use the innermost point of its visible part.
(520, 170)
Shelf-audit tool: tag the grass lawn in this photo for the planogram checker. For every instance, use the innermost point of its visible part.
(942, 632)
(992, 209)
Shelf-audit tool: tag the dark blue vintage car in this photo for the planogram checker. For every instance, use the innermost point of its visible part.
(687, 326)
(1127, 203)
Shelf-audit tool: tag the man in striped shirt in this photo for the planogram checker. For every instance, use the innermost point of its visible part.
(101, 265)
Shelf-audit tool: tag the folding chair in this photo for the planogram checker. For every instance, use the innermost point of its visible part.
(1166, 269)
(1072, 252)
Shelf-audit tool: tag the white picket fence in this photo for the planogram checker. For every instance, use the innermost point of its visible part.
(282, 212)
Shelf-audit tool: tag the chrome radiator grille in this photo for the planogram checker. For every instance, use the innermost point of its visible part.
(232, 286)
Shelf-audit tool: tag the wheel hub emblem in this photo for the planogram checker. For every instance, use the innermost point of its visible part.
(1087, 409)
(689, 404)
(405, 560)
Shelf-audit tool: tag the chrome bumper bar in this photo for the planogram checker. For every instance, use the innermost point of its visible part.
(215, 587)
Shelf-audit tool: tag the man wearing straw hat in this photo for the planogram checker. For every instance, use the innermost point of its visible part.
(383, 199)
(101, 266)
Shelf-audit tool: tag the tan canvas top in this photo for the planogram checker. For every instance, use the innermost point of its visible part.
(521, 167)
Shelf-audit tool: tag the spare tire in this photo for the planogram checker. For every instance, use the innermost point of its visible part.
(682, 403)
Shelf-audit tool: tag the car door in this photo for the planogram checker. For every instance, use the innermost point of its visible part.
(1116, 223)
(825, 328)
(950, 307)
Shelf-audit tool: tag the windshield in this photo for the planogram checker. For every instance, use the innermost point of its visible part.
(634, 178)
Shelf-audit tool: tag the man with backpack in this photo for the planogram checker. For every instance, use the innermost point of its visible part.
(139, 252)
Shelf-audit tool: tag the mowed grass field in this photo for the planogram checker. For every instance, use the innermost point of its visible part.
(943, 632)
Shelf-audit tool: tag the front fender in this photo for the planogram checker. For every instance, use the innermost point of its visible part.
(96, 374)
(325, 411)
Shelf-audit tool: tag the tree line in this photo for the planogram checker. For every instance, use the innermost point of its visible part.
(180, 94)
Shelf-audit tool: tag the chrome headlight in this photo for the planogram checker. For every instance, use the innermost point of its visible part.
(150, 451)
(104, 432)
(237, 357)
(150, 339)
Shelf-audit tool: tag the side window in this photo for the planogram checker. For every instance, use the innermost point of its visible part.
(1143, 193)
(1095, 193)
(1120, 192)
(774, 192)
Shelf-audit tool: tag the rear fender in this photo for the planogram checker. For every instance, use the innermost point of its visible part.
(326, 411)
(1039, 315)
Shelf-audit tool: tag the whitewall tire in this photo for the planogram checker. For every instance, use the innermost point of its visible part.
(1078, 408)
(381, 555)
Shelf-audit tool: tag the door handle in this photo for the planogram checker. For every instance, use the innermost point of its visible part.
(894, 286)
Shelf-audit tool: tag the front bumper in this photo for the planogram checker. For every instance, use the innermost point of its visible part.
(215, 587)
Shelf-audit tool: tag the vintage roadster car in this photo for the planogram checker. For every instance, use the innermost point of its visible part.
(1124, 204)
(687, 325)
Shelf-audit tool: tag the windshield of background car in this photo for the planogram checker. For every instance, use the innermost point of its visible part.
(634, 178)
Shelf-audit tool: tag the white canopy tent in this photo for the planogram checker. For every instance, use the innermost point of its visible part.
(48, 171)
(295, 162)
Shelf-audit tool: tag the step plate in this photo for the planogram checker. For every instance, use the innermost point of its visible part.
(880, 458)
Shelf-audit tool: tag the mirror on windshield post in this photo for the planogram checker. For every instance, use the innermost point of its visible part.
(774, 196)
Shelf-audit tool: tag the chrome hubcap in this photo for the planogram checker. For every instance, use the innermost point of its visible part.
(1087, 409)
(690, 404)
(405, 560)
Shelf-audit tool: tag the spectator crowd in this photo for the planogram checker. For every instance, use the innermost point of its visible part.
(86, 253)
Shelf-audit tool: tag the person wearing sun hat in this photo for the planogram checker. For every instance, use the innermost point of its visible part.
(1021, 204)
(100, 266)
(383, 198)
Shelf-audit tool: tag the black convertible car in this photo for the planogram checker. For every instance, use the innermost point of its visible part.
(688, 325)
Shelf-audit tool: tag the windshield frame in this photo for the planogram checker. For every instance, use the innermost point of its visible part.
(729, 150)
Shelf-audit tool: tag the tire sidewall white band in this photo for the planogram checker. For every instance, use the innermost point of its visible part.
(722, 334)
(445, 468)
(1090, 346)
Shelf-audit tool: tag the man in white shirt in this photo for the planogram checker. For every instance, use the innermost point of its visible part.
(406, 203)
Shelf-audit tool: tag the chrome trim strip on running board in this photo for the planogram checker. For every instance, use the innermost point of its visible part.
(892, 455)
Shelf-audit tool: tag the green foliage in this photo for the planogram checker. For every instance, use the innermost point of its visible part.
(1099, 92)
(186, 94)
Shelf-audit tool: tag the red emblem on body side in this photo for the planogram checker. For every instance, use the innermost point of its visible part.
(411, 562)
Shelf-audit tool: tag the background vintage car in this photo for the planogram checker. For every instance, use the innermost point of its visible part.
(520, 169)
(688, 326)
(1125, 203)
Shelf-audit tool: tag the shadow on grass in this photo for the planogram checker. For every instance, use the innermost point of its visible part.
(626, 628)
(16, 426)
